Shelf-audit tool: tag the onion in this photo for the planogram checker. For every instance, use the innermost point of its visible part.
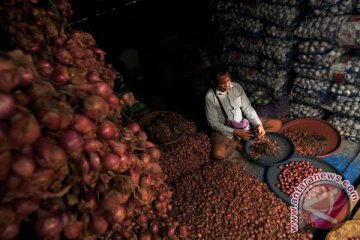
(25, 206)
(42, 176)
(8, 81)
(154, 228)
(82, 124)
(7, 214)
(111, 161)
(146, 181)
(10, 231)
(45, 68)
(73, 230)
(93, 77)
(27, 77)
(48, 226)
(134, 127)
(95, 108)
(124, 163)
(135, 175)
(23, 165)
(76, 52)
(63, 56)
(101, 89)
(22, 98)
(92, 145)
(145, 236)
(84, 166)
(58, 41)
(117, 215)
(51, 155)
(98, 224)
(60, 75)
(13, 182)
(71, 141)
(145, 157)
(141, 135)
(90, 201)
(155, 153)
(24, 129)
(119, 148)
(113, 199)
(144, 194)
(95, 161)
(113, 101)
(106, 129)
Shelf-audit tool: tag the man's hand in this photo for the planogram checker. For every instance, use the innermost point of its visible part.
(260, 130)
(242, 134)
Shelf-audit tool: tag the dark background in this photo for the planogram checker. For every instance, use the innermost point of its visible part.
(175, 41)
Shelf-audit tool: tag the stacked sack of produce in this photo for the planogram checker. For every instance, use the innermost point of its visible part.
(71, 168)
(325, 57)
(268, 47)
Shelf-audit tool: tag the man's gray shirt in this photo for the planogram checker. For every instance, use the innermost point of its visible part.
(235, 103)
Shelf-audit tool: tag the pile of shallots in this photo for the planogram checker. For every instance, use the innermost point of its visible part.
(70, 166)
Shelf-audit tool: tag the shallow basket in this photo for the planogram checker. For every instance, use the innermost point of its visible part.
(316, 126)
(147, 119)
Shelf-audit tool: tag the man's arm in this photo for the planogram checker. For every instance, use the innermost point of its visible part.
(213, 119)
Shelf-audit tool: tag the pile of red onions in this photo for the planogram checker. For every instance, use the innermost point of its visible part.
(69, 167)
(293, 173)
(185, 156)
(221, 201)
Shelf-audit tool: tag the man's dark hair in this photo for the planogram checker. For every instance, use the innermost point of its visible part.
(218, 70)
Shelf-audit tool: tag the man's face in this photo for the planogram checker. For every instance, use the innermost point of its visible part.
(223, 82)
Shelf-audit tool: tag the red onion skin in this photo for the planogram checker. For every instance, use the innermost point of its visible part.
(113, 101)
(71, 141)
(7, 106)
(124, 163)
(24, 129)
(95, 161)
(50, 154)
(26, 206)
(106, 129)
(48, 226)
(145, 157)
(63, 56)
(23, 165)
(7, 214)
(58, 41)
(50, 119)
(155, 153)
(98, 224)
(141, 135)
(60, 75)
(154, 228)
(10, 231)
(45, 68)
(93, 77)
(92, 145)
(82, 124)
(90, 201)
(27, 77)
(73, 230)
(119, 148)
(22, 98)
(145, 236)
(8, 81)
(110, 161)
(95, 108)
(135, 175)
(112, 199)
(84, 166)
(134, 127)
(118, 214)
(13, 182)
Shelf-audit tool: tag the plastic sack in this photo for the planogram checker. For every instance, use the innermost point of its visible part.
(248, 44)
(278, 32)
(279, 50)
(323, 8)
(280, 15)
(312, 84)
(252, 26)
(239, 58)
(319, 52)
(348, 127)
(322, 28)
(299, 110)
